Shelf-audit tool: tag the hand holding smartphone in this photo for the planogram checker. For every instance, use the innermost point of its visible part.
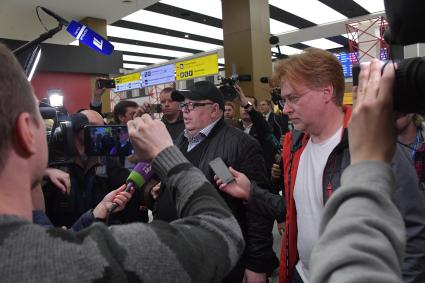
(220, 169)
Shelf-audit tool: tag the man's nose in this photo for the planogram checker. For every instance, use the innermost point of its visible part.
(287, 109)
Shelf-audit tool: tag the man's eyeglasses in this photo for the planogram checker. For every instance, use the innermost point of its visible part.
(292, 99)
(189, 106)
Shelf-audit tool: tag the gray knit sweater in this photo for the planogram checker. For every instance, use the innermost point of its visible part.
(362, 232)
(201, 247)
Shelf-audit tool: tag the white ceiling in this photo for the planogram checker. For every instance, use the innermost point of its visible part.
(18, 19)
(170, 29)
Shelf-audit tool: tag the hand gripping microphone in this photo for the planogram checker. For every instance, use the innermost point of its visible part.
(84, 34)
(141, 174)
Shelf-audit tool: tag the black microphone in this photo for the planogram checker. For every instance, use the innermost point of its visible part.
(84, 34)
(61, 20)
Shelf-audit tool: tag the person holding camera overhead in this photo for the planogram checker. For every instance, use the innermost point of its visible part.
(172, 115)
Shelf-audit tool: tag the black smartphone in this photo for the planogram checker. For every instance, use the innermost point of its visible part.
(105, 83)
(155, 108)
(110, 140)
(220, 169)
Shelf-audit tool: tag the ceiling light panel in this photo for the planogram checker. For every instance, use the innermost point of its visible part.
(277, 27)
(149, 50)
(322, 43)
(142, 59)
(210, 8)
(159, 38)
(173, 23)
(372, 6)
(133, 66)
(311, 10)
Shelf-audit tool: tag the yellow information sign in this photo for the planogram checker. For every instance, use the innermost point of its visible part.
(127, 78)
(348, 98)
(197, 67)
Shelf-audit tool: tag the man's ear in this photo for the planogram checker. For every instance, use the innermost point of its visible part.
(25, 132)
(328, 92)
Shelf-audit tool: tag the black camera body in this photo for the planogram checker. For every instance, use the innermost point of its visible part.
(105, 83)
(227, 87)
(409, 85)
(60, 137)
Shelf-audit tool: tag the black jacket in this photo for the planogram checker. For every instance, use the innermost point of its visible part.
(244, 154)
(261, 131)
(88, 188)
(279, 124)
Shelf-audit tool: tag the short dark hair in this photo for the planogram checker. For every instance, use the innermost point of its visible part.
(16, 97)
(121, 108)
(166, 90)
(229, 103)
(269, 103)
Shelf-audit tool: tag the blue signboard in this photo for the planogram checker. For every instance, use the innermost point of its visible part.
(158, 75)
(346, 59)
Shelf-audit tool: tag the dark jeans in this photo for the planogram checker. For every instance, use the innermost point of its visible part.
(296, 278)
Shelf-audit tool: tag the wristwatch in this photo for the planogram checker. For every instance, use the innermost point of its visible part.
(248, 106)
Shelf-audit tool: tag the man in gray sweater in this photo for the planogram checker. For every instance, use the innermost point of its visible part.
(202, 246)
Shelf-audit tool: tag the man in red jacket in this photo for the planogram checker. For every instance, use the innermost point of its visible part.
(312, 87)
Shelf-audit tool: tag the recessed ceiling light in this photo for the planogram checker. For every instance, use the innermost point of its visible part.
(186, 36)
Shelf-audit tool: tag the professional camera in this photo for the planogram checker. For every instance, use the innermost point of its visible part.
(404, 16)
(60, 133)
(409, 85)
(227, 87)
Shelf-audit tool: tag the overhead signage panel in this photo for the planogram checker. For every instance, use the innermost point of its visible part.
(159, 75)
(127, 82)
(197, 67)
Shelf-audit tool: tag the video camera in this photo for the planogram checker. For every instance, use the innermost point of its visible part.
(227, 85)
(404, 16)
(59, 134)
(274, 92)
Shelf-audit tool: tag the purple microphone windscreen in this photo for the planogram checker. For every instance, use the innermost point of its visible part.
(89, 37)
(140, 175)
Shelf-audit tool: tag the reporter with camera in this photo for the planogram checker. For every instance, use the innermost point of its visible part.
(253, 123)
(172, 115)
(91, 179)
(158, 252)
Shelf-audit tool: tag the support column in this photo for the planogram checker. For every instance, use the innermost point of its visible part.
(99, 26)
(246, 31)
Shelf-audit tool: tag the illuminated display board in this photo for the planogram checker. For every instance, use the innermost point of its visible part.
(158, 75)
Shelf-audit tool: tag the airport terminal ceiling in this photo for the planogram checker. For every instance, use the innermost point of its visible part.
(150, 32)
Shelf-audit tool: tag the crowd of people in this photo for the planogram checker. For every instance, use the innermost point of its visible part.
(346, 183)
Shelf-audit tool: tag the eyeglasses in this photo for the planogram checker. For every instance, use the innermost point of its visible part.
(292, 99)
(189, 106)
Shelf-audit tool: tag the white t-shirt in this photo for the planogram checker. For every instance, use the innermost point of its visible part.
(308, 196)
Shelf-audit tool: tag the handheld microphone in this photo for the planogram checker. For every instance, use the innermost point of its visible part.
(89, 37)
(141, 174)
(84, 34)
